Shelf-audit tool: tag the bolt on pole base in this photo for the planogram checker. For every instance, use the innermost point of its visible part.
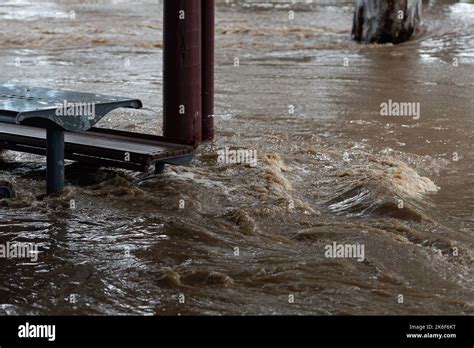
(6, 190)
(54, 160)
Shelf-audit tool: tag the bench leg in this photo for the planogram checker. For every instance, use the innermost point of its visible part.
(159, 168)
(54, 160)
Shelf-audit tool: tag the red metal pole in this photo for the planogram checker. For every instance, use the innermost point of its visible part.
(182, 108)
(208, 38)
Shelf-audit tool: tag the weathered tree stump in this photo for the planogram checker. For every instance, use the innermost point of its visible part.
(382, 21)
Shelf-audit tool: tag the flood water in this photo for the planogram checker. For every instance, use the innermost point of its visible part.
(235, 239)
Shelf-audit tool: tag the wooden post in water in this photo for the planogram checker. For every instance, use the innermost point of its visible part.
(382, 21)
(208, 38)
(182, 79)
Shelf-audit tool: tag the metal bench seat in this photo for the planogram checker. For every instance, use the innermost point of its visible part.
(101, 147)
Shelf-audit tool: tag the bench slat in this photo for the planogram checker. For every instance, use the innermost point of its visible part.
(95, 147)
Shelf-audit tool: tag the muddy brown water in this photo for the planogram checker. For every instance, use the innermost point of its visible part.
(249, 239)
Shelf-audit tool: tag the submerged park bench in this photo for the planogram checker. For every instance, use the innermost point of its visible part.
(60, 125)
(36, 120)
